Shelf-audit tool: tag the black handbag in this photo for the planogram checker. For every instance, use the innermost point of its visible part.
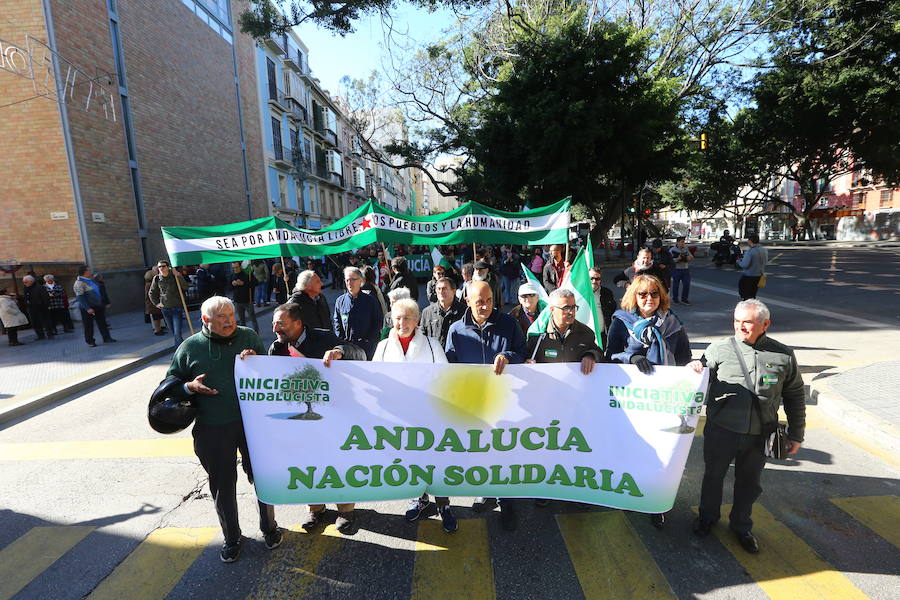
(777, 442)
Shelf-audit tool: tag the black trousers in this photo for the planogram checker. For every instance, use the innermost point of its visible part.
(748, 286)
(88, 319)
(40, 321)
(720, 447)
(216, 446)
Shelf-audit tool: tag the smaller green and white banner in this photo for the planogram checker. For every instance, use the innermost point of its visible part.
(363, 431)
(270, 237)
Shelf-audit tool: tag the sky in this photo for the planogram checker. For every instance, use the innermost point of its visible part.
(357, 54)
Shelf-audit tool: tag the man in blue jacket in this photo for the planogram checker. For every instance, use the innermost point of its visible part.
(357, 317)
(486, 336)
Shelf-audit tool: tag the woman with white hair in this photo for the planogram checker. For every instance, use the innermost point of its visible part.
(11, 317)
(406, 343)
(59, 304)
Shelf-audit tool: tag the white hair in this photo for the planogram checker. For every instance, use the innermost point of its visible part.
(405, 305)
(213, 306)
(759, 308)
(561, 293)
(28, 279)
(353, 271)
(303, 280)
(48, 277)
(399, 293)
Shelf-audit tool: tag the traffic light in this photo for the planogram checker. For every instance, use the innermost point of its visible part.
(647, 212)
(631, 209)
(704, 141)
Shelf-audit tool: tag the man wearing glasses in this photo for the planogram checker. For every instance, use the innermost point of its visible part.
(606, 304)
(565, 339)
(357, 317)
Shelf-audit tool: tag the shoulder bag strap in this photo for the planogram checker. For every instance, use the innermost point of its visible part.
(740, 357)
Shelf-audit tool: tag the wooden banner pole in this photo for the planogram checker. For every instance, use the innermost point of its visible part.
(187, 314)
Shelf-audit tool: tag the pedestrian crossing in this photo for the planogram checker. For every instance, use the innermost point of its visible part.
(610, 559)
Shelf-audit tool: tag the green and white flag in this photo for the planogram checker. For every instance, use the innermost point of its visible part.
(270, 237)
(578, 280)
(530, 278)
(438, 259)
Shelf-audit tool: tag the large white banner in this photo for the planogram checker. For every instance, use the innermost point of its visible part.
(363, 431)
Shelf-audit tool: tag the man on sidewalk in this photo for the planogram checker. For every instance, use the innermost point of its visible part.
(164, 294)
(750, 376)
(38, 301)
(206, 362)
(681, 275)
(486, 336)
(753, 264)
(87, 294)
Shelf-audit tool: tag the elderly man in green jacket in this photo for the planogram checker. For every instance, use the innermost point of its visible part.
(750, 376)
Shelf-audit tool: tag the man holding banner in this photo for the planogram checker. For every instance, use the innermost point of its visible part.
(487, 336)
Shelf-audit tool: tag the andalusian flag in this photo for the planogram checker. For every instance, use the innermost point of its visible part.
(530, 277)
(438, 259)
(578, 279)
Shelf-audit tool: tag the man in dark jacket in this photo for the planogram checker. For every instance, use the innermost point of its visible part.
(741, 413)
(243, 295)
(294, 338)
(314, 309)
(482, 272)
(357, 316)
(440, 315)
(565, 339)
(663, 261)
(438, 272)
(486, 336)
(606, 304)
(38, 301)
(555, 268)
(403, 278)
(164, 295)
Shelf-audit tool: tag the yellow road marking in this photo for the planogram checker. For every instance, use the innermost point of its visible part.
(881, 514)
(786, 568)
(152, 448)
(31, 554)
(453, 566)
(291, 570)
(609, 558)
(156, 565)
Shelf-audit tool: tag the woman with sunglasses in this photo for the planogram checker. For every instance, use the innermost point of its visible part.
(645, 333)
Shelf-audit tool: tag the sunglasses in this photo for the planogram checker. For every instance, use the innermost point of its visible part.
(651, 294)
(527, 295)
(595, 278)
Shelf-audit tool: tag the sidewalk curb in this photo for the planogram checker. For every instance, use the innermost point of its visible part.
(881, 433)
(57, 391)
(31, 402)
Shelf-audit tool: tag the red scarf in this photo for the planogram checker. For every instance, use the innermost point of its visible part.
(404, 342)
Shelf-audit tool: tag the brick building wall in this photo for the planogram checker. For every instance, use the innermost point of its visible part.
(34, 175)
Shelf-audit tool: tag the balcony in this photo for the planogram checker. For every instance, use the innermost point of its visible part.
(278, 45)
(277, 99)
(297, 112)
(283, 157)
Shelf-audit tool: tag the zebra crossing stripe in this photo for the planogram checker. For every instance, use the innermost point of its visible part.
(157, 564)
(291, 569)
(31, 554)
(98, 449)
(881, 514)
(609, 558)
(453, 566)
(786, 568)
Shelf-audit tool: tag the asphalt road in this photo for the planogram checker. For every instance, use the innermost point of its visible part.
(131, 516)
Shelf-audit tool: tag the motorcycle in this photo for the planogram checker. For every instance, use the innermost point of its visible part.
(725, 252)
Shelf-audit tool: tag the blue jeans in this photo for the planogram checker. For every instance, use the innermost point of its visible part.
(679, 277)
(511, 291)
(261, 289)
(175, 322)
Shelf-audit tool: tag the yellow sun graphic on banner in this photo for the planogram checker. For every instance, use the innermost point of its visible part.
(472, 396)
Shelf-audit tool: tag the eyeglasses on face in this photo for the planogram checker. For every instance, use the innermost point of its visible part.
(595, 278)
(653, 294)
(569, 309)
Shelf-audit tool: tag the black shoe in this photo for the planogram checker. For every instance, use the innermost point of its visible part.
(448, 519)
(541, 502)
(686, 302)
(508, 520)
(658, 520)
(416, 508)
(484, 504)
(312, 520)
(16, 344)
(274, 538)
(110, 341)
(346, 523)
(92, 344)
(748, 542)
(230, 552)
(701, 528)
